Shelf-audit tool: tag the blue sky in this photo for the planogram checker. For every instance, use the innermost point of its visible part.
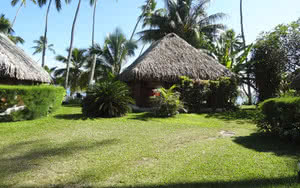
(259, 15)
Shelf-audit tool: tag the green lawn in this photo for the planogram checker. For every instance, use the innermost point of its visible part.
(64, 150)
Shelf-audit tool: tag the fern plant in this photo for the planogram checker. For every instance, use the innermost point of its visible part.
(167, 103)
(108, 98)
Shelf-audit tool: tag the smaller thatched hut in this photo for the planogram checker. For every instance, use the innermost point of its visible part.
(296, 82)
(18, 68)
(162, 64)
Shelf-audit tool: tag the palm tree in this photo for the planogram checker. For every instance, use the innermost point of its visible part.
(71, 44)
(93, 65)
(115, 51)
(6, 29)
(58, 8)
(40, 46)
(76, 70)
(23, 3)
(187, 19)
(244, 44)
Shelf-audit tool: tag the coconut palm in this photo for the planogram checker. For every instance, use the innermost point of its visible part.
(6, 29)
(76, 70)
(23, 3)
(244, 45)
(187, 18)
(40, 46)
(115, 51)
(93, 64)
(58, 8)
(71, 45)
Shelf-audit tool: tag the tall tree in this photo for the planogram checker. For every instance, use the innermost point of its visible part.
(58, 8)
(40, 44)
(93, 65)
(76, 70)
(71, 44)
(187, 18)
(249, 93)
(115, 51)
(23, 3)
(6, 29)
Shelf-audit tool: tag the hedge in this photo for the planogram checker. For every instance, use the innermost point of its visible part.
(39, 101)
(203, 94)
(281, 116)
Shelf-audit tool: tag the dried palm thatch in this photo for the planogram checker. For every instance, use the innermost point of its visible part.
(16, 65)
(171, 57)
(296, 82)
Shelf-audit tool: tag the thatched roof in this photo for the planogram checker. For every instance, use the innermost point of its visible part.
(172, 57)
(16, 65)
(296, 82)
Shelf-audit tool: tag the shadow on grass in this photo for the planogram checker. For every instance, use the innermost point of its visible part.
(29, 155)
(70, 116)
(146, 116)
(240, 114)
(265, 143)
(260, 182)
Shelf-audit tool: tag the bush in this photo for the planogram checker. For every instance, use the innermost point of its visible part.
(198, 95)
(281, 116)
(108, 98)
(39, 101)
(167, 102)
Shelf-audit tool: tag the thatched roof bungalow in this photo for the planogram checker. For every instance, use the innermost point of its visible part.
(164, 62)
(18, 68)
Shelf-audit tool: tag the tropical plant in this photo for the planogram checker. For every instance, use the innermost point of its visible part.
(23, 4)
(69, 60)
(115, 51)
(107, 98)
(187, 19)
(167, 103)
(6, 29)
(58, 8)
(38, 48)
(79, 59)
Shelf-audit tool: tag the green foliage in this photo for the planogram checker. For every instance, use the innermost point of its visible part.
(167, 103)
(281, 116)
(197, 95)
(108, 98)
(187, 18)
(39, 101)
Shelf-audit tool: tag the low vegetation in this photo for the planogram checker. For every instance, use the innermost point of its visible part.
(38, 101)
(281, 116)
(188, 150)
(108, 98)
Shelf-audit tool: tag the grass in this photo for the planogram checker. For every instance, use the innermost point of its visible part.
(65, 150)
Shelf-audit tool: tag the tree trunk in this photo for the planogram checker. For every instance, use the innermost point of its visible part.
(92, 73)
(45, 44)
(140, 18)
(13, 23)
(244, 44)
(71, 45)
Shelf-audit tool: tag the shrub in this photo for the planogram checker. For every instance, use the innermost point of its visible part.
(167, 103)
(108, 98)
(39, 101)
(281, 116)
(197, 95)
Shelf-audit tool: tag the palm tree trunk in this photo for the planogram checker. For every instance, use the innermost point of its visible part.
(71, 45)
(244, 44)
(140, 18)
(12, 24)
(45, 35)
(93, 44)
